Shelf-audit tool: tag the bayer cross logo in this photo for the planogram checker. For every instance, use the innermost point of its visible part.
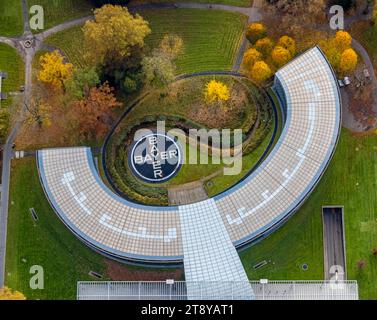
(155, 158)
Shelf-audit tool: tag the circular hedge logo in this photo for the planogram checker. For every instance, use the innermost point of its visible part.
(155, 158)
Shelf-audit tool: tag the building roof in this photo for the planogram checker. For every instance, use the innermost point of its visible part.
(249, 210)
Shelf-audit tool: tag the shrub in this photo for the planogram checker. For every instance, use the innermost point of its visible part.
(288, 43)
(216, 91)
(348, 61)
(251, 56)
(264, 45)
(255, 31)
(260, 72)
(280, 56)
(342, 40)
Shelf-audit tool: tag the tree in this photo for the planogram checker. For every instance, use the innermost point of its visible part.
(172, 46)
(260, 72)
(264, 45)
(348, 61)
(288, 43)
(342, 40)
(251, 56)
(53, 69)
(94, 112)
(81, 81)
(113, 34)
(8, 294)
(158, 69)
(216, 91)
(280, 56)
(255, 31)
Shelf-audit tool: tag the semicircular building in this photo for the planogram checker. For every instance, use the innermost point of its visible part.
(310, 99)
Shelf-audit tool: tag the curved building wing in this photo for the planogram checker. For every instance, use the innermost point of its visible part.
(308, 92)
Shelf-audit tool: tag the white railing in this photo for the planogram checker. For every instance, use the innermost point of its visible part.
(177, 290)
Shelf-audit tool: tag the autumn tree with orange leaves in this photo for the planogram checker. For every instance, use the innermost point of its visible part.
(94, 113)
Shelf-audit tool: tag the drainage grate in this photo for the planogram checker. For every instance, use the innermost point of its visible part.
(260, 265)
(33, 214)
(95, 275)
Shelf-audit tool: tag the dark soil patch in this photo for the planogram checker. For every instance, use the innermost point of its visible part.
(118, 272)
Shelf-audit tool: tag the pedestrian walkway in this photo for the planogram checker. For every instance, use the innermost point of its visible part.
(211, 261)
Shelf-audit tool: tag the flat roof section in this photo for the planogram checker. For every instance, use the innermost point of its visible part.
(334, 243)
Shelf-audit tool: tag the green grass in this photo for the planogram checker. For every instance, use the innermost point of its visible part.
(70, 41)
(212, 38)
(45, 242)
(59, 11)
(11, 23)
(351, 180)
(11, 63)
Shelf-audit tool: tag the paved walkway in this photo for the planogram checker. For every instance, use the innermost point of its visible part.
(210, 256)
(187, 194)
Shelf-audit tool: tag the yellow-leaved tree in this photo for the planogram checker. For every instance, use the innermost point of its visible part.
(339, 52)
(113, 33)
(260, 72)
(53, 69)
(288, 43)
(342, 40)
(251, 56)
(348, 61)
(281, 56)
(8, 294)
(264, 45)
(255, 31)
(216, 91)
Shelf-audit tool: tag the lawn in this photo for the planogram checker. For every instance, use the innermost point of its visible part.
(70, 42)
(11, 63)
(45, 242)
(59, 11)
(212, 38)
(11, 23)
(351, 180)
